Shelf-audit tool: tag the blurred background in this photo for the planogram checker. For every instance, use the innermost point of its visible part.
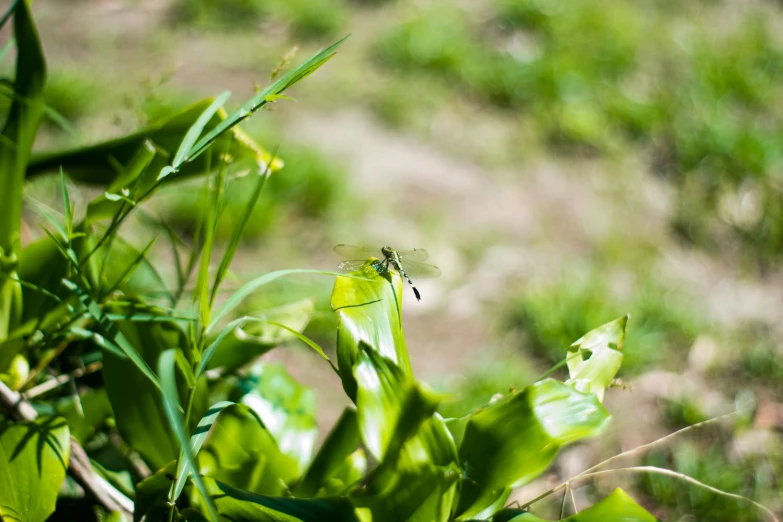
(564, 163)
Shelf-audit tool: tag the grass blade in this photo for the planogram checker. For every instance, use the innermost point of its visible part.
(110, 331)
(128, 271)
(264, 97)
(192, 135)
(171, 405)
(196, 441)
(233, 244)
(250, 287)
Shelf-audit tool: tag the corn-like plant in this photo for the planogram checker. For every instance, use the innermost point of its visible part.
(166, 431)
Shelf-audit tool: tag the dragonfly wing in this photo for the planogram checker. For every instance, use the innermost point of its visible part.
(357, 252)
(421, 270)
(416, 255)
(352, 266)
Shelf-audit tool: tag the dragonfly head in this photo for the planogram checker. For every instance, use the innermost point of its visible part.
(387, 250)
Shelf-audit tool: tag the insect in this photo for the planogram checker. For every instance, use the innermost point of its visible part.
(406, 262)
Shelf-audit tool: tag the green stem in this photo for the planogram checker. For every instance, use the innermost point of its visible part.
(188, 408)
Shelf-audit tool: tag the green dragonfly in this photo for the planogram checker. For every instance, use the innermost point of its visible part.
(390, 258)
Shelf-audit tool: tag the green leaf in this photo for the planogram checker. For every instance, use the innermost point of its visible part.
(616, 506)
(391, 405)
(248, 288)
(166, 367)
(257, 335)
(113, 200)
(338, 464)
(513, 440)
(152, 494)
(196, 441)
(241, 452)
(369, 310)
(93, 408)
(33, 460)
(43, 267)
(21, 125)
(260, 99)
(595, 359)
(285, 407)
(243, 506)
(136, 401)
(195, 131)
(110, 331)
(96, 164)
(420, 483)
(239, 231)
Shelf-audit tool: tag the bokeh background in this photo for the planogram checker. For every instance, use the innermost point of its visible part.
(564, 162)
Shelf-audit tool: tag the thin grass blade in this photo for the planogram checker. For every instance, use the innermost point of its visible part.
(239, 231)
(196, 441)
(248, 288)
(261, 99)
(172, 407)
(111, 331)
(193, 134)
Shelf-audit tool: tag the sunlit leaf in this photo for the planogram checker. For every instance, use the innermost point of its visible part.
(513, 440)
(286, 407)
(33, 460)
(337, 465)
(594, 359)
(391, 405)
(241, 452)
(254, 337)
(369, 310)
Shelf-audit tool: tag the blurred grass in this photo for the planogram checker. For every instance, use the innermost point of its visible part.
(551, 316)
(601, 77)
(307, 189)
(308, 19)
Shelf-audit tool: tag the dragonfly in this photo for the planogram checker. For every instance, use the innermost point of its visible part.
(406, 262)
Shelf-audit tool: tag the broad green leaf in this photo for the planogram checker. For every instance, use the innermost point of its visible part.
(152, 494)
(33, 460)
(136, 401)
(92, 410)
(286, 408)
(391, 405)
(196, 441)
(241, 452)
(244, 506)
(96, 164)
(21, 125)
(260, 99)
(420, 484)
(254, 338)
(337, 465)
(171, 404)
(369, 310)
(513, 440)
(42, 267)
(594, 360)
(617, 506)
